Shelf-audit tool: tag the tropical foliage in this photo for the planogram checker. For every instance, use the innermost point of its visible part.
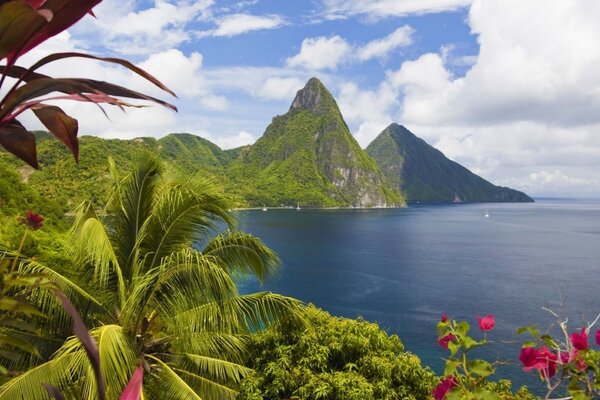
(67, 183)
(333, 358)
(150, 296)
(24, 24)
(424, 174)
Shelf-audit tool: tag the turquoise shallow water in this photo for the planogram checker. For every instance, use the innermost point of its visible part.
(403, 267)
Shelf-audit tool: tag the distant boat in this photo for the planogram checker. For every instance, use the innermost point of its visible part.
(487, 214)
(264, 208)
(298, 206)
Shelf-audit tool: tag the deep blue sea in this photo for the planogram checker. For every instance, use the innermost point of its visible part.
(403, 268)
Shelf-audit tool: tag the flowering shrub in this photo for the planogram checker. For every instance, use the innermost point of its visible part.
(463, 378)
(568, 364)
(565, 363)
(31, 220)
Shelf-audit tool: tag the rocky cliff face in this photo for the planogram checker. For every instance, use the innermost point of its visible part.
(424, 174)
(309, 156)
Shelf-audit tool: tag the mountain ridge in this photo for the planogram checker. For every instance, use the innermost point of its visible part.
(425, 174)
(308, 155)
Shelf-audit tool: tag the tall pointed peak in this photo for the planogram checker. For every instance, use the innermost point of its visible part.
(399, 132)
(314, 97)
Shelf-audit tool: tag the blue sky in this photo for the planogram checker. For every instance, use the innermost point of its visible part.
(509, 88)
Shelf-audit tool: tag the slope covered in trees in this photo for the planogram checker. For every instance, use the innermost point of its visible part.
(424, 174)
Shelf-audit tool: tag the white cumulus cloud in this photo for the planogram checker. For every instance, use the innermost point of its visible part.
(380, 48)
(378, 9)
(122, 28)
(321, 53)
(237, 24)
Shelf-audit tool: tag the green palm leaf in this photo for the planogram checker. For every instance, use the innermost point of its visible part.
(216, 369)
(29, 385)
(240, 314)
(184, 213)
(242, 253)
(132, 207)
(209, 389)
(168, 384)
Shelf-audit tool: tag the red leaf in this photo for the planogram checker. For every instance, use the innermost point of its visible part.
(15, 102)
(21, 73)
(40, 87)
(60, 125)
(19, 23)
(133, 390)
(124, 63)
(65, 14)
(36, 3)
(19, 141)
(81, 331)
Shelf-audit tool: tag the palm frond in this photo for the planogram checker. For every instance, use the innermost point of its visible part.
(184, 213)
(241, 253)
(240, 314)
(132, 207)
(183, 281)
(46, 300)
(92, 245)
(224, 346)
(118, 360)
(207, 388)
(215, 369)
(167, 384)
(189, 279)
(29, 385)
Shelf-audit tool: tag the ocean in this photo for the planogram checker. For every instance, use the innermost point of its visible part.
(403, 268)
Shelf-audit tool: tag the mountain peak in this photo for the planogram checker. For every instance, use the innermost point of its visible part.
(424, 174)
(314, 97)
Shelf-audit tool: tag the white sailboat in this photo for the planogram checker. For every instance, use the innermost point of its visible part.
(264, 208)
(298, 206)
(487, 214)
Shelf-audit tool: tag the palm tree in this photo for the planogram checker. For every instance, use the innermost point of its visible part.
(154, 275)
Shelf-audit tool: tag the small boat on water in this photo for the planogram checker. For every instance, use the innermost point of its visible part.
(487, 214)
(264, 208)
(298, 206)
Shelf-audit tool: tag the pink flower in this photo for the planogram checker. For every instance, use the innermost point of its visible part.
(566, 357)
(31, 220)
(541, 359)
(486, 323)
(444, 387)
(580, 340)
(445, 318)
(443, 342)
(529, 356)
(598, 337)
(550, 369)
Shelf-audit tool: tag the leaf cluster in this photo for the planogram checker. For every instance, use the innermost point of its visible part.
(333, 358)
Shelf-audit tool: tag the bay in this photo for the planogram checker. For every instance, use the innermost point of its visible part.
(403, 268)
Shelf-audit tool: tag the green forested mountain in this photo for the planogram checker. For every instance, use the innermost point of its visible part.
(68, 183)
(306, 156)
(424, 174)
(309, 156)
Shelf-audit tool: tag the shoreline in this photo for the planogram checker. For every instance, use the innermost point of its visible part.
(314, 208)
